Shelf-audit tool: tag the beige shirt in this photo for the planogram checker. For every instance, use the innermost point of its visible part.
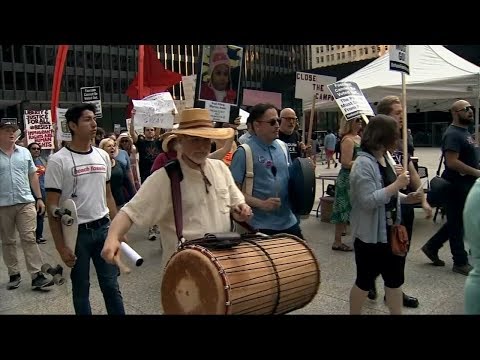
(202, 212)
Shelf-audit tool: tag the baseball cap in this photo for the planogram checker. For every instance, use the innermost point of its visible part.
(6, 122)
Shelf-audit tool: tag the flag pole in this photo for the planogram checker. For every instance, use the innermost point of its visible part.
(141, 56)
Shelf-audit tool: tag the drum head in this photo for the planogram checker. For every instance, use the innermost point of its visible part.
(302, 186)
(192, 285)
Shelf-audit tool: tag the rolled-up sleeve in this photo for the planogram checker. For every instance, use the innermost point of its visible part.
(362, 182)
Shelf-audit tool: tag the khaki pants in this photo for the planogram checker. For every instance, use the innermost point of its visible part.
(23, 217)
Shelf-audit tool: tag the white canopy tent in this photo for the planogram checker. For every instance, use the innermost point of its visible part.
(437, 78)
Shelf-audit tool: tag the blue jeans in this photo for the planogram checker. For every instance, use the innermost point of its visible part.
(89, 245)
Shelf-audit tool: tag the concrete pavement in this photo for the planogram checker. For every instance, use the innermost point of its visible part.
(439, 290)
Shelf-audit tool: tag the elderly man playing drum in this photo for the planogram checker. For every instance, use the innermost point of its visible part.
(209, 195)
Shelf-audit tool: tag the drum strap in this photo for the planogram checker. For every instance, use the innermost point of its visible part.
(175, 174)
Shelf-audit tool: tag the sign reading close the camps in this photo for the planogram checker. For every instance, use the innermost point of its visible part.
(350, 99)
(91, 95)
(307, 85)
(399, 58)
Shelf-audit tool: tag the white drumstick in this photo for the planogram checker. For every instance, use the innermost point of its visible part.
(131, 254)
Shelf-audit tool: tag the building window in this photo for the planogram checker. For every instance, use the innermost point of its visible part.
(366, 51)
(97, 60)
(338, 47)
(79, 59)
(318, 50)
(332, 47)
(361, 52)
(71, 84)
(343, 55)
(106, 61)
(338, 56)
(373, 49)
(349, 53)
(354, 53)
(321, 59)
(321, 49)
(20, 80)
(29, 52)
(31, 82)
(318, 59)
(41, 82)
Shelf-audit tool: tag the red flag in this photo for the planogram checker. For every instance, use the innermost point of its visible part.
(62, 52)
(155, 77)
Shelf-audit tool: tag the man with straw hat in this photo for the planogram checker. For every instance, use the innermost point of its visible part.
(208, 192)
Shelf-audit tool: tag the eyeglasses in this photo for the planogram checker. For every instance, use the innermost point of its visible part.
(35, 148)
(466, 109)
(290, 118)
(272, 122)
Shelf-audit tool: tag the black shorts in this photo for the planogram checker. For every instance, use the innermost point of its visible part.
(375, 259)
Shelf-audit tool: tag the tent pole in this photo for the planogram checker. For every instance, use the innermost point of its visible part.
(404, 127)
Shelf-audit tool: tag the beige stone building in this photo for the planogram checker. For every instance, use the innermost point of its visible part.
(327, 55)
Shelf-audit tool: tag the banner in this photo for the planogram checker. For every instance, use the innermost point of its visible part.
(307, 85)
(156, 110)
(38, 128)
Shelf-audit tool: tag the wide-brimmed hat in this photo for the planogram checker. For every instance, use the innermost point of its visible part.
(198, 122)
(167, 140)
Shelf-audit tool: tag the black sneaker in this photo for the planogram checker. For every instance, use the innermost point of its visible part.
(41, 281)
(433, 256)
(462, 269)
(14, 282)
(41, 241)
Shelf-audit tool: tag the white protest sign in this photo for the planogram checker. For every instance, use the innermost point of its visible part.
(180, 105)
(399, 58)
(350, 99)
(91, 95)
(189, 83)
(38, 126)
(308, 85)
(63, 133)
(219, 111)
(138, 129)
(157, 110)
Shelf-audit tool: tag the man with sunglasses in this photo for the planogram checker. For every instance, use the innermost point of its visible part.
(461, 170)
(271, 161)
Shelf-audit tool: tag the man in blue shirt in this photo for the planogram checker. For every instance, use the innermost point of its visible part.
(18, 208)
(272, 213)
(329, 142)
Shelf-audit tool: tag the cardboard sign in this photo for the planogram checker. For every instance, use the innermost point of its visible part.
(39, 128)
(350, 99)
(399, 58)
(307, 85)
(91, 95)
(63, 133)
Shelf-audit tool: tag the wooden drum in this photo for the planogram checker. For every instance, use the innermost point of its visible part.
(263, 275)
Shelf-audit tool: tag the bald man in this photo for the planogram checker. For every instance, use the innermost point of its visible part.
(461, 170)
(288, 135)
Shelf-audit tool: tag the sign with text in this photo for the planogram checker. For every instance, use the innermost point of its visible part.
(63, 133)
(399, 58)
(218, 111)
(156, 110)
(39, 128)
(308, 85)
(189, 83)
(350, 99)
(91, 95)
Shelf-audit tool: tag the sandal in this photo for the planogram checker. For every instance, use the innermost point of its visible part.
(342, 247)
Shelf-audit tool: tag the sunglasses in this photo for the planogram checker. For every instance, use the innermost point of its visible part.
(466, 109)
(35, 148)
(272, 122)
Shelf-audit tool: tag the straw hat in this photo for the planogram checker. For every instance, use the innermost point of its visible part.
(198, 122)
(167, 140)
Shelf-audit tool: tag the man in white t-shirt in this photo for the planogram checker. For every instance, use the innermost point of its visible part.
(82, 173)
(209, 194)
